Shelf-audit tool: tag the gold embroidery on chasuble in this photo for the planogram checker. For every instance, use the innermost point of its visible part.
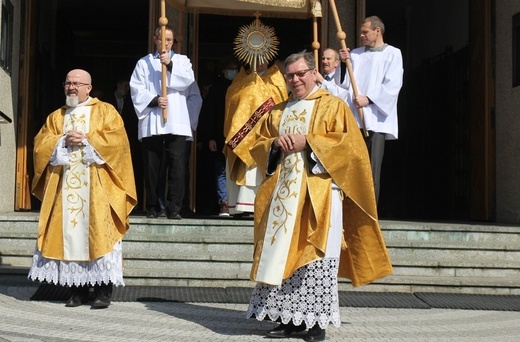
(283, 208)
(76, 191)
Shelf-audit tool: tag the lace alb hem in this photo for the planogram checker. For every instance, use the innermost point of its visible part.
(108, 268)
(309, 296)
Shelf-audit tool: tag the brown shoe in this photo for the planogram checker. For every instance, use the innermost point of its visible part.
(224, 209)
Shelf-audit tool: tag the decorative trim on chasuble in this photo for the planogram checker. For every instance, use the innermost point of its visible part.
(250, 123)
(76, 190)
(283, 208)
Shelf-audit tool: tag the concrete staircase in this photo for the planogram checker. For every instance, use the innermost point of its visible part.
(427, 257)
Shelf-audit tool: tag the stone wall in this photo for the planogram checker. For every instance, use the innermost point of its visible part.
(8, 105)
(507, 118)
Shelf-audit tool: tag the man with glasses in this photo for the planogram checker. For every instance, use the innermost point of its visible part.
(83, 175)
(315, 213)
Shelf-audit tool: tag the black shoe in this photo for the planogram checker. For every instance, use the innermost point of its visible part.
(79, 296)
(101, 302)
(74, 301)
(174, 216)
(102, 294)
(285, 330)
(315, 334)
(151, 213)
(162, 213)
(187, 212)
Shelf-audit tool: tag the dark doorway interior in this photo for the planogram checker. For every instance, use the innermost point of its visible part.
(106, 38)
(426, 172)
(216, 36)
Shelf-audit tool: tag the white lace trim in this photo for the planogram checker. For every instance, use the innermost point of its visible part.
(61, 154)
(310, 295)
(90, 154)
(108, 268)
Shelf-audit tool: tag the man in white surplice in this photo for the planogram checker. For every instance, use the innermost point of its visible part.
(160, 136)
(378, 72)
(315, 212)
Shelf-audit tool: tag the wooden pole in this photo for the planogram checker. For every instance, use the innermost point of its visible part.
(341, 37)
(315, 43)
(163, 21)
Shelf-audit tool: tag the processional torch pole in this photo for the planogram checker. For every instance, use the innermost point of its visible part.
(315, 12)
(341, 37)
(315, 43)
(163, 21)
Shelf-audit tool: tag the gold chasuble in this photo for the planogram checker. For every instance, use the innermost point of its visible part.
(284, 204)
(248, 100)
(85, 208)
(335, 139)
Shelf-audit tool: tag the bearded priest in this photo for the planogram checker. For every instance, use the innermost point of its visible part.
(84, 177)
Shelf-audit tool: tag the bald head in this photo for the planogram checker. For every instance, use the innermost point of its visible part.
(78, 85)
(82, 75)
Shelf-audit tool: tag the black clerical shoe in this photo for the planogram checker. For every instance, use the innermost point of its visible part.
(174, 216)
(285, 330)
(79, 295)
(151, 213)
(102, 295)
(315, 334)
(162, 213)
(101, 302)
(74, 301)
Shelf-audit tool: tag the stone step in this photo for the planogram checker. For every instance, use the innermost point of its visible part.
(243, 252)
(493, 246)
(393, 283)
(439, 259)
(24, 225)
(452, 281)
(240, 270)
(396, 250)
(452, 254)
(206, 265)
(397, 283)
(427, 257)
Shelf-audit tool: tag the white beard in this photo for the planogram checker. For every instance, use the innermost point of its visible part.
(72, 101)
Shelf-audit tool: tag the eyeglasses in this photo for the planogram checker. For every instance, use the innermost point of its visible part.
(298, 74)
(74, 84)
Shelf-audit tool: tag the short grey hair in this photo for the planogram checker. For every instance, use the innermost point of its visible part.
(375, 22)
(308, 57)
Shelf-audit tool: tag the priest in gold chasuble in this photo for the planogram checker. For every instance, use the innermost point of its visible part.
(315, 212)
(84, 177)
(248, 100)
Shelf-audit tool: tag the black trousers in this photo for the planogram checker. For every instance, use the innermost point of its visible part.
(376, 149)
(174, 158)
